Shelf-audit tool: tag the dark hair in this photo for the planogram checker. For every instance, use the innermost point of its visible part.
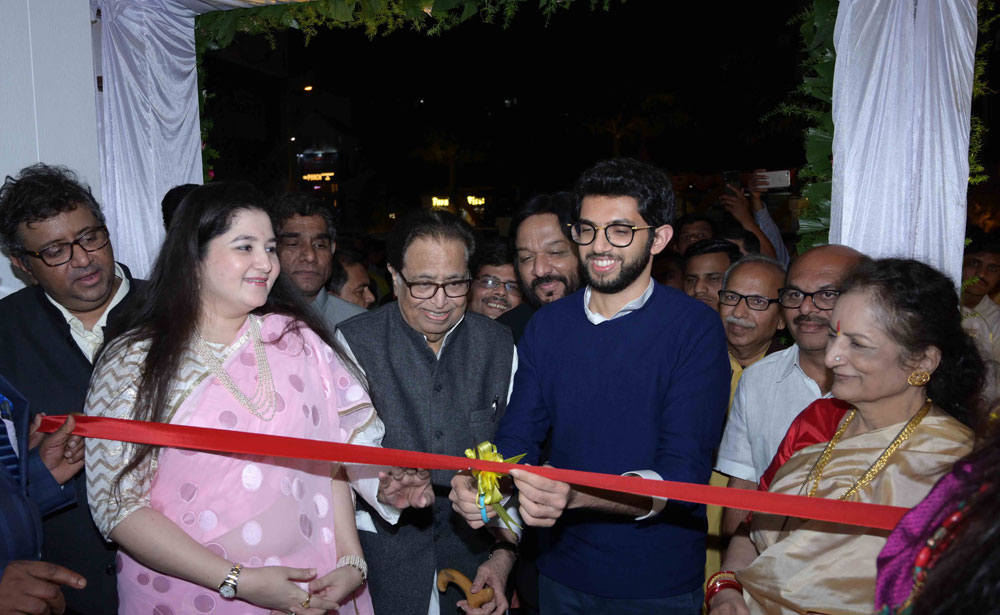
(172, 199)
(303, 204)
(165, 313)
(967, 575)
(38, 193)
(711, 246)
(981, 241)
(560, 204)
(491, 253)
(731, 230)
(434, 224)
(342, 259)
(919, 308)
(692, 218)
(648, 185)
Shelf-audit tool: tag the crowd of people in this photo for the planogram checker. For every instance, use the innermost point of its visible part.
(601, 335)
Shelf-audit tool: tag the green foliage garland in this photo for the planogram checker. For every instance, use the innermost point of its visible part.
(812, 101)
(218, 28)
(987, 16)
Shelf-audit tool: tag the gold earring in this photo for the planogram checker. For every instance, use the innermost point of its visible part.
(918, 378)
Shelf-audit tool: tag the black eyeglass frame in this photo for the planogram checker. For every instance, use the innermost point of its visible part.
(512, 288)
(607, 235)
(437, 286)
(746, 299)
(39, 254)
(810, 296)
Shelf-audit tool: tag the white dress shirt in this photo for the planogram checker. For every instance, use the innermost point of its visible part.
(771, 393)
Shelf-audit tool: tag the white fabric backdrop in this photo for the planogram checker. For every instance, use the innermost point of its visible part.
(902, 95)
(150, 136)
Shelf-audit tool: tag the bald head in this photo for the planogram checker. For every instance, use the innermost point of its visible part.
(819, 269)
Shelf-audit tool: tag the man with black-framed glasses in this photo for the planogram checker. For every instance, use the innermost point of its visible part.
(775, 389)
(627, 376)
(439, 378)
(54, 232)
(495, 289)
(748, 305)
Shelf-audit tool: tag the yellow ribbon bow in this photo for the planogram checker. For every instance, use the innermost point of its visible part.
(488, 483)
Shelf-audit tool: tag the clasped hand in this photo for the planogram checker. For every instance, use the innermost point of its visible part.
(403, 487)
(541, 500)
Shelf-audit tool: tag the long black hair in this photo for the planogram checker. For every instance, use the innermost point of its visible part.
(918, 308)
(167, 310)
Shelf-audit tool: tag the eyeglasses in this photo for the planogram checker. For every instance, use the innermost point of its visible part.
(491, 283)
(823, 299)
(618, 235)
(426, 290)
(62, 253)
(754, 302)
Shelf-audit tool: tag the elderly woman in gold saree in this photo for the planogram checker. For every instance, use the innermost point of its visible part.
(903, 370)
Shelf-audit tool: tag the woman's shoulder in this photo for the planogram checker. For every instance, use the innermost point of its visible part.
(126, 350)
(945, 434)
(814, 425)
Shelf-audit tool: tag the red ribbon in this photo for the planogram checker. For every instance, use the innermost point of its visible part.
(224, 441)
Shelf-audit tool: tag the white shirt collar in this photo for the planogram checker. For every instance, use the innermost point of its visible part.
(628, 308)
(90, 341)
(444, 340)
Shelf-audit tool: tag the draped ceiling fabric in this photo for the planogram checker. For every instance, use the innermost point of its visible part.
(149, 130)
(901, 107)
(902, 97)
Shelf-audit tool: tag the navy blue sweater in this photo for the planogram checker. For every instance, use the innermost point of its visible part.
(646, 391)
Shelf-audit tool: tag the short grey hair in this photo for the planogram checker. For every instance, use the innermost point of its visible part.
(752, 258)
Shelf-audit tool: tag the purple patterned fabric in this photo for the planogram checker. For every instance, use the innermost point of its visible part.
(895, 562)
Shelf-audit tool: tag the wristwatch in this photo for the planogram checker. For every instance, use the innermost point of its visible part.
(227, 589)
(505, 545)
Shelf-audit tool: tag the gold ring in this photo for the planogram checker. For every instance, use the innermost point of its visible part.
(305, 603)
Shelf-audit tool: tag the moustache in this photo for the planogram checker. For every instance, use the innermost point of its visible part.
(741, 322)
(545, 279)
(803, 318)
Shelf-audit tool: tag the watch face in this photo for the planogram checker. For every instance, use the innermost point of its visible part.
(227, 591)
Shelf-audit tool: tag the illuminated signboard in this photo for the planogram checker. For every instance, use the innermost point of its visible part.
(475, 200)
(436, 202)
(318, 177)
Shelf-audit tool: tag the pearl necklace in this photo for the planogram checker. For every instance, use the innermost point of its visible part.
(263, 403)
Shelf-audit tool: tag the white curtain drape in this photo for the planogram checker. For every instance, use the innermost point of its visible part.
(902, 95)
(150, 135)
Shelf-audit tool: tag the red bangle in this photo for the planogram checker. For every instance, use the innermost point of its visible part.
(724, 579)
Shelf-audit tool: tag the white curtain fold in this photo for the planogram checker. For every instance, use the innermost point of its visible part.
(150, 138)
(150, 132)
(902, 97)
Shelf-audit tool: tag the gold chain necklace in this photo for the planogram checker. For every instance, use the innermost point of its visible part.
(263, 403)
(817, 471)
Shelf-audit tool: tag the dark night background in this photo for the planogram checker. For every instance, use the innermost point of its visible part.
(505, 113)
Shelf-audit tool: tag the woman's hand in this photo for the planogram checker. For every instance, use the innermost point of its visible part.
(335, 586)
(274, 587)
(728, 602)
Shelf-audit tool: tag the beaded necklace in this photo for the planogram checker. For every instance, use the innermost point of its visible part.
(928, 555)
(263, 403)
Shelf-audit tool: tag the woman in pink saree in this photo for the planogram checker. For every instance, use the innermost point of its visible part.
(220, 343)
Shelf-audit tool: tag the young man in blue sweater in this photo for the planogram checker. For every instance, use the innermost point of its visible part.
(629, 377)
